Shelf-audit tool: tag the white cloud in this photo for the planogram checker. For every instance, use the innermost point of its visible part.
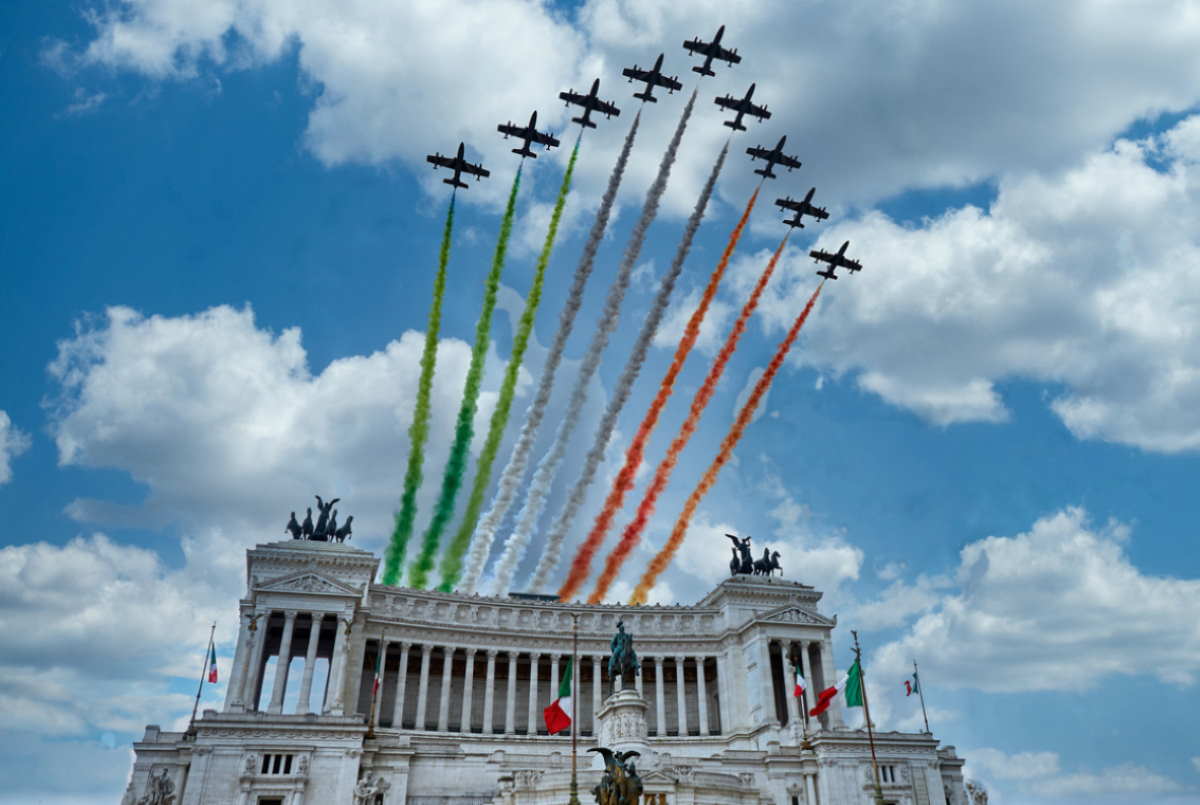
(84, 102)
(926, 110)
(1078, 279)
(1041, 611)
(1196, 762)
(712, 329)
(13, 442)
(1040, 774)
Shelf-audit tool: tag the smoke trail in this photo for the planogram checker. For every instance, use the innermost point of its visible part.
(418, 431)
(581, 565)
(452, 559)
(514, 471)
(464, 430)
(659, 563)
(624, 386)
(543, 477)
(633, 531)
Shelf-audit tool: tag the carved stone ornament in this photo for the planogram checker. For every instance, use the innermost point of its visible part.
(160, 790)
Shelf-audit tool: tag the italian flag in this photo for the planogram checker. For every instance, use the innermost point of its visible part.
(851, 683)
(801, 686)
(558, 714)
(378, 672)
(212, 664)
(913, 686)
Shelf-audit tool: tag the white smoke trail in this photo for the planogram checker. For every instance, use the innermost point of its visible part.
(543, 477)
(514, 470)
(566, 517)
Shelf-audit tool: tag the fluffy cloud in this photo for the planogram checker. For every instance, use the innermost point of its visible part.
(1039, 774)
(12, 444)
(1041, 611)
(1077, 279)
(927, 110)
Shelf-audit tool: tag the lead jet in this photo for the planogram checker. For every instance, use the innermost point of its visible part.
(653, 78)
(711, 50)
(773, 157)
(590, 103)
(459, 166)
(836, 260)
(529, 134)
(802, 208)
(742, 106)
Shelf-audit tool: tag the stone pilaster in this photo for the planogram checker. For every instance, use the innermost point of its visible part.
(660, 704)
(310, 660)
(464, 724)
(532, 720)
(423, 686)
(702, 695)
(489, 694)
(681, 697)
(510, 698)
(447, 681)
(401, 688)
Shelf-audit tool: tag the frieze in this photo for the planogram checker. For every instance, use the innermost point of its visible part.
(793, 614)
(280, 734)
(306, 582)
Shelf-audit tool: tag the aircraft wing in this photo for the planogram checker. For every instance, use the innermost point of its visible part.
(544, 139)
(696, 46)
(637, 74)
(440, 161)
(724, 54)
(727, 102)
(474, 170)
(820, 213)
(852, 265)
(758, 111)
(572, 97)
(510, 129)
(669, 82)
(787, 161)
(760, 153)
(823, 256)
(605, 107)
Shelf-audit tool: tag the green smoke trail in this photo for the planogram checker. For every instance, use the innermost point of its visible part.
(418, 431)
(452, 560)
(464, 430)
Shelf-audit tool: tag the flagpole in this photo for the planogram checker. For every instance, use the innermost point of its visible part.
(376, 683)
(203, 672)
(574, 705)
(862, 681)
(921, 693)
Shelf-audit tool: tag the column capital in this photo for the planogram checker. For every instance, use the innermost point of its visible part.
(535, 656)
(426, 649)
(492, 652)
(471, 652)
(291, 614)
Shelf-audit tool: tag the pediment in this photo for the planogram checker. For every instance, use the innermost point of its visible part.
(795, 614)
(307, 581)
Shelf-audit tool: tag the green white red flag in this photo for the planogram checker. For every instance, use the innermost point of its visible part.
(912, 686)
(851, 683)
(801, 686)
(558, 714)
(378, 672)
(212, 664)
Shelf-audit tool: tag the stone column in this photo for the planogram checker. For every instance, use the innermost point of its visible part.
(531, 725)
(789, 687)
(447, 680)
(377, 707)
(281, 664)
(233, 691)
(810, 684)
(423, 688)
(660, 705)
(336, 690)
(554, 660)
(835, 715)
(489, 694)
(810, 790)
(597, 693)
(767, 680)
(310, 661)
(464, 723)
(510, 698)
(401, 685)
(637, 680)
(681, 697)
(702, 693)
(250, 677)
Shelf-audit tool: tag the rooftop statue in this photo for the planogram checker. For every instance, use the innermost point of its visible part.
(742, 562)
(620, 784)
(326, 528)
(624, 658)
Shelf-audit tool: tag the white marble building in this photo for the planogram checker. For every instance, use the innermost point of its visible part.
(458, 717)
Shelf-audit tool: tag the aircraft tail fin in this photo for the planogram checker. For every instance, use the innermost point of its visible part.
(645, 96)
(524, 151)
(583, 121)
(703, 70)
(455, 183)
(735, 125)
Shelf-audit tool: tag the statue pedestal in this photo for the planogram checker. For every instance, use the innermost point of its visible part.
(622, 727)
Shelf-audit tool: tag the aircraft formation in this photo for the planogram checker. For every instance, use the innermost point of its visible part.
(654, 78)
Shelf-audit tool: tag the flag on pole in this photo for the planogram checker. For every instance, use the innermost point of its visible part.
(826, 697)
(912, 686)
(212, 664)
(378, 672)
(801, 686)
(854, 689)
(558, 714)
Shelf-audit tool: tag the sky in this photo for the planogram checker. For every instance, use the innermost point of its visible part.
(218, 236)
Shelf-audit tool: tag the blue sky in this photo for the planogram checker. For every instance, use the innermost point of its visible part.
(218, 240)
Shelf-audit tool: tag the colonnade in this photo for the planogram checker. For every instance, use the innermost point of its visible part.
(500, 692)
(812, 657)
(313, 635)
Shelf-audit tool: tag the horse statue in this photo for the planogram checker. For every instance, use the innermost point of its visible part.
(342, 534)
(746, 561)
(768, 564)
(293, 527)
(620, 784)
(624, 659)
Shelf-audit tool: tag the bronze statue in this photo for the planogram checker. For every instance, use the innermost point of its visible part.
(306, 528)
(342, 534)
(620, 784)
(332, 526)
(768, 564)
(159, 790)
(322, 528)
(293, 527)
(624, 658)
(745, 563)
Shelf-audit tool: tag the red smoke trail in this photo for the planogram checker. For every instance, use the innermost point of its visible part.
(633, 531)
(581, 565)
(664, 556)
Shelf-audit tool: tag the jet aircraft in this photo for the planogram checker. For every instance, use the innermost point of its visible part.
(711, 50)
(836, 260)
(653, 78)
(802, 208)
(590, 103)
(742, 106)
(529, 134)
(773, 157)
(459, 166)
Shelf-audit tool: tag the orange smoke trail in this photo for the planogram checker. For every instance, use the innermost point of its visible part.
(664, 556)
(633, 531)
(581, 564)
